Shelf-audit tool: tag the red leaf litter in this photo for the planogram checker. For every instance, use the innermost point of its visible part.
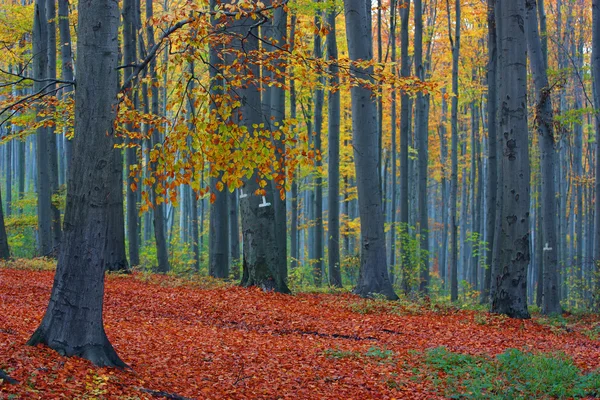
(184, 341)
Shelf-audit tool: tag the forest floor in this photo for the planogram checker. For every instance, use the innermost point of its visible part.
(202, 339)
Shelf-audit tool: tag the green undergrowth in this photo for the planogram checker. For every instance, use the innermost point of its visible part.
(374, 353)
(510, 375)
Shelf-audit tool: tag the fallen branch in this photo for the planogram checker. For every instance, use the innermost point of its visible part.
(4, 377)
(166, 395)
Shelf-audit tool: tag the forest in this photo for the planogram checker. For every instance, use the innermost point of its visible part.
(299, 198)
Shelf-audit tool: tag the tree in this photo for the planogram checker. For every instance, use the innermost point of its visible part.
(373, 275)
(596, 76)
(40, 67)
(72, 324)
(492, 169)
(510, 294)
(455, 45)
(4, 249)
(545, 129)
(422, 133)
(333, 106)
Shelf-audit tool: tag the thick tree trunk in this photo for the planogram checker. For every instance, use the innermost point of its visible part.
(234, 234)
(510, 296)
(261, 260)
(373, 275)
(333, 229)
(73, 323)
(218, 233)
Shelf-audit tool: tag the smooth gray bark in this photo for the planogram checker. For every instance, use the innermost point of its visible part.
(319, 99)
(545, 130)
(51, 146)
(405, 111)
(455, 45)
(67, 74)
(393, 133)
(596, 77)
(72, 324)
(422, 133)
(373, 275)
(492, 170)
(510, 296)
(333, 106)
(130, 39)
(44, 187)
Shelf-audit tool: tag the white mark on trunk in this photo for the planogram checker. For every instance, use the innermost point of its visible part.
(264, 202)
(547, 247)
(242, 194)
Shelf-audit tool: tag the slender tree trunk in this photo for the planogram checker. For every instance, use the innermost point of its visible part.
(335, 276)
(52, 155)
(72, 324)
(492, 170)
(294, 237)
(455, 44)
(234, 235)
(4, 249)
(442, 129)
(373, 275)
(596, 76)
(319, 97)
(394, 147)
(44, 187)
(422, 133)
(159, 213)
(405, 111)
(130, 29)
(9, 172)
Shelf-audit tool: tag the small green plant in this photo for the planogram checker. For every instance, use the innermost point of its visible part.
(511, 375)
(373, 353)
(592, 333)
(480, 319)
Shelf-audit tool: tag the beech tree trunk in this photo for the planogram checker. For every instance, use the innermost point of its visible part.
(333, 105)
(373, 276)
(596, 76)
(545, 130)
(72, 324)
(40, 68)
(4, 249)
(492, 167)
(510, 296)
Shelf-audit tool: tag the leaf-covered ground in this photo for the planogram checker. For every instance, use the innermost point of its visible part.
(207, 342)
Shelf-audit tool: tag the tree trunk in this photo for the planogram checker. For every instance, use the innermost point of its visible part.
(52, 156)
(4, 249)
(510, 296)
(73, 324)
(44, 187)
(545, 123)
(262, 260)
(373, 275)
(394, 150)
(455, 44)
(333, 229)
(66, 54)
(319, 97)
(422, 133)
(596, 76)
(162, 252)
(405, 111)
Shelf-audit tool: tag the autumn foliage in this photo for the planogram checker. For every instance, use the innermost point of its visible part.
(208, 340)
